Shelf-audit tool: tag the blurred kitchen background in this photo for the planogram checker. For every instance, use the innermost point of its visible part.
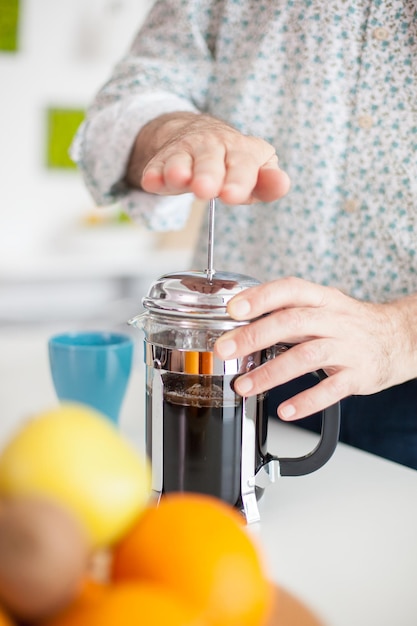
(63, 260)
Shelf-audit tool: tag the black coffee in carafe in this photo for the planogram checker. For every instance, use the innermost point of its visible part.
(202, 436)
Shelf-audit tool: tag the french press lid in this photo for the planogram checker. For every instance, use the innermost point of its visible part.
(194, 295)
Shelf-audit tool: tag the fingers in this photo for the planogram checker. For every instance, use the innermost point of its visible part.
(299, 325)
(336, 386)
(280, 294)
(170, 175)
(315, 399)
(219, 162)
(292, 311)
(245, 182)
(318, 321)
(291, 365)
(300, 359)
(209, 170)
(272, 183)
(241, 174)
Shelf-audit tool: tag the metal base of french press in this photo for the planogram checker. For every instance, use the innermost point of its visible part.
(267, 475)
(155, 497)
(248, 502)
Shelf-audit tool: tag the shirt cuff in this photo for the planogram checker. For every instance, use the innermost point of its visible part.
(159, 213)
(102, 147)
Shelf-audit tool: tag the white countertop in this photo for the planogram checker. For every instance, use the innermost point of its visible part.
(342, 539)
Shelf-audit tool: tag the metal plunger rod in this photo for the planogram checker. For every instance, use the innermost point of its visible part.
(210, 269)
(202, 362)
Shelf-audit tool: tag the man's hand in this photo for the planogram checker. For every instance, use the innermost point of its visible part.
(362, 347)
(187, 152)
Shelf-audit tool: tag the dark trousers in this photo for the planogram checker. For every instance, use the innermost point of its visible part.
(384, 423)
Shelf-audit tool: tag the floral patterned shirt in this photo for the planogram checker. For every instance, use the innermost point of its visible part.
(332, 84)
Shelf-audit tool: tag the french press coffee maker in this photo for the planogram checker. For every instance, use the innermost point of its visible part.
(200, 435)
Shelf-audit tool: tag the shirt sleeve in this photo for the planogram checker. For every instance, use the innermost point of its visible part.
(167, 69)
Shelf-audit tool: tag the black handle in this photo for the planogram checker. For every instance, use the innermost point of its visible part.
(314, 460)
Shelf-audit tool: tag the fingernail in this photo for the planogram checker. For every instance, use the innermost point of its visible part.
(239, 308)
(226, 347)
(243, 386)
(287, 411)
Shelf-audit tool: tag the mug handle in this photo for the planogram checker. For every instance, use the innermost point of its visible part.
(314, 460)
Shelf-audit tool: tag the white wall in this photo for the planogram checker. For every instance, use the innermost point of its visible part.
(67, 50)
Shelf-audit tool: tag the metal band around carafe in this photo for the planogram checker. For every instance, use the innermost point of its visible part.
(157, 447)
(192, 361)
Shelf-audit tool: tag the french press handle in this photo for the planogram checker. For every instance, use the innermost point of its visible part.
(314, 460)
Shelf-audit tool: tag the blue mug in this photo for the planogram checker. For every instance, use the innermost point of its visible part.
(92, 368)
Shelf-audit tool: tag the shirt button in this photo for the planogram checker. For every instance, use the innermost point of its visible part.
(380, 33)
(351, 205)
(365, 121)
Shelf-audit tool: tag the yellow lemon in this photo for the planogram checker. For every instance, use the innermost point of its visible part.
(75, 456)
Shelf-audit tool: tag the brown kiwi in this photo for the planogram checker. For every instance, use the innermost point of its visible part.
(43, 557)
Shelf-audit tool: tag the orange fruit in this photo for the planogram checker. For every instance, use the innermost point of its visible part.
(199, 548)
(124, 604)
(90, 594)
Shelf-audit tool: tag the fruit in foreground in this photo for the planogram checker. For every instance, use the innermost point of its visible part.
(125, 604)
(198, 548)
(4, 619)
(75, 456)
(43, 556)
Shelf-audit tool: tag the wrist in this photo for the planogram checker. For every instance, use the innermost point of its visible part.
(403, 317)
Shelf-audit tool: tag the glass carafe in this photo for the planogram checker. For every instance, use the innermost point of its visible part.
(200, 435)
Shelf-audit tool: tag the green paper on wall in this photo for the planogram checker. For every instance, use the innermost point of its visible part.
(9, 23)
(62, 125)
